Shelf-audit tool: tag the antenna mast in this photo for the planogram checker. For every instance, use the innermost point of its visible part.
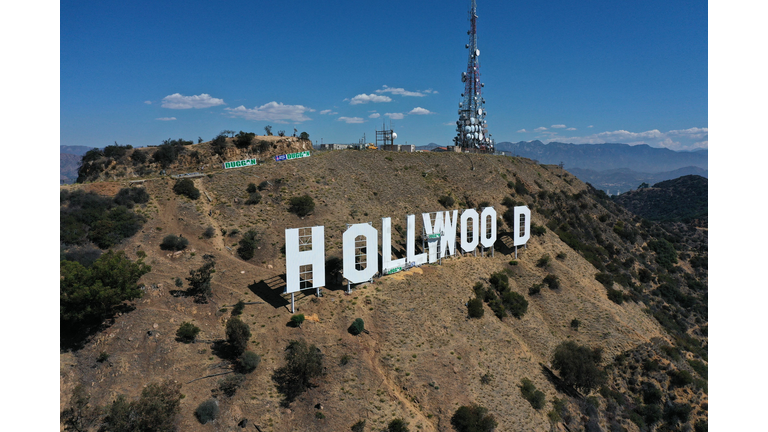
(471, 129)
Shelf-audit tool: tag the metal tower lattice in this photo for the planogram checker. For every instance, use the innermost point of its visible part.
(471, 128)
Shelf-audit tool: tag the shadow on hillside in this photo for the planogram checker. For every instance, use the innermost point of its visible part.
(270, 291)
(73, 337)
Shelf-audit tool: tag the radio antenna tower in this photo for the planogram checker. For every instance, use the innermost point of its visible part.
(471, 129)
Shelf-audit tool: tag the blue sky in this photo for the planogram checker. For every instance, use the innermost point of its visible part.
(582, 72)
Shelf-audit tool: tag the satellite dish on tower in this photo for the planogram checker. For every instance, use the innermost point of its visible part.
(394, 135)
(477, 52)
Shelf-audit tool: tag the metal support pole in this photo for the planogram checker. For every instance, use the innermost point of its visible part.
(349, 287)
(515, 251)
(493, 251)
(293, 309)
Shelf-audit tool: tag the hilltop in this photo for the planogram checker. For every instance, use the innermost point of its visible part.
(625, 286)
(677, 200)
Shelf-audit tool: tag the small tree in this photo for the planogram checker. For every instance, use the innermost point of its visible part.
(302, 205)
(357, 327)
(297, 319)
(304, 136)
(360, 425)
(303, 362)
(247, 245)
(219, 144)
(244, 139)
(80, 416)
(209, 232)
(268, 130)
(473, 418)
(200, 281)
(475, 308)
(397, 425)
(446, 201)
(237, 309)
(253, 198)
(552, 281)
(207, 411)
(187, 332)
(251, 188)
(187, 188)
(248, 361)
(229, 384)
(516, 303)
(156, 410)
(238, 334)
(579, 365)
(543, 261)
(535, 397)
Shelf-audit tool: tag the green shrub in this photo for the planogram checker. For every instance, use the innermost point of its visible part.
(357, 327)
(397, 425)
(207, 411)
(543, 261)
(229, 384)
(575, 323)
(579, 365)
(103, 356)
(247, 245)
(499, 281)
(360, 425)
(244, 139)
(156, 410)
(209, 232)
(173, 243)
(297, 319)
(446, 201)
(677, 413)
(219, 144)
(552, 281)
(535, 289)
(187, 188)
(263, 185)
(699, 367)
(302, 205)
(253, 199)
(187, 332)
(535, 397)
(516, 303)
(679, 378)
(319, 415)
(251, 188)
(238, 333)
(666, 255)
(303, 362)
(651, 393)
(475, 308)
(473, 418)
(129, 197)
(615, 296)
(513, 263)
(138, 156)
(537, 230)
(166, 154)
(561, 256)
(605, 279)
(200, 281)
(111, 280)
(507, 201)
(248, 361)
(498, 308)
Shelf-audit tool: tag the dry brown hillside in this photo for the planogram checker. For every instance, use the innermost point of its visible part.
(423, 357)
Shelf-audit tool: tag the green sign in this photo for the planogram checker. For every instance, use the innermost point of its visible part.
(394, 270)
(240, 163)
(292, 156)
(433, 236)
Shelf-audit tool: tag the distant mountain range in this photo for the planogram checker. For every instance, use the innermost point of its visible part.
(617, 181)
(69, 162)
(601, 157)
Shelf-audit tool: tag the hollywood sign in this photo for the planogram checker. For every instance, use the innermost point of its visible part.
(305, 247)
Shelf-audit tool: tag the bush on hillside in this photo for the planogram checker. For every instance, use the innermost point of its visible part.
(128, 197)
(499, 281)
(297, 320)
(357, 327)
(167, 153)
(397, 425)
(207, 411)
(446, 201)
(247, 245)
(302, 205)
(85, 255)
(230, 383)
(248, 361)
(219, 144)
(303, 362)
(253, 199)
(543, 261)
(238, 334)
(475, 308)
(138, 157)
(537, 230)
(666, 255)
(578, 365)
(244, 139)
(174, 243)
(535, 289)
(615, 296)
(209, 232)
(552, 281)
(516, 303)
(529, 392)
(237, 309)
(473, 418)
(111, 279)
(200, 282)
(251, 188)
(187, 188)
(156, 410)
(187, 332)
